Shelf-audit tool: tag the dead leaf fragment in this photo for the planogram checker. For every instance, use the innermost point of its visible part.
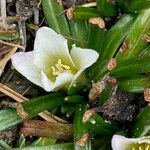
(82, 141)
(147, 94)
(96, 89)
(124, 46)
(69, 13)
(21, 112)
(97, 21)
(112, 64)
(87, 115)
(146, 38)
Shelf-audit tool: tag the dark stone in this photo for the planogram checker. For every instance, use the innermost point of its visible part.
(122, 106)
(9, 135)
(70, 3)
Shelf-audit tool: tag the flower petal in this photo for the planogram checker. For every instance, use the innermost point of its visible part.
(61, 80)
(49, 47)
(122, 143)
(76, 76)
(83, 58)
(22, 62)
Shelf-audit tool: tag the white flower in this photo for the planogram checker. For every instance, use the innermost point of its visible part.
(50, 65)
(122, 143)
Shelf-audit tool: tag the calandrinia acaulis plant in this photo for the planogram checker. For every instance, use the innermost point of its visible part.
(50, 65)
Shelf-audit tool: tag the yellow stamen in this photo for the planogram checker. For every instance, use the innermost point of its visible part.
(54, 71)
(59, 61)
(140, 148)
(133, 148)
(64, 66)
(147, 147)
(59, 68)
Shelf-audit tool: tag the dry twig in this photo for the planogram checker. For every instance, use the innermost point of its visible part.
(7, 57)
(19, 98)
(11, 44)
(3, 10)
(12, 18)
(47, 129)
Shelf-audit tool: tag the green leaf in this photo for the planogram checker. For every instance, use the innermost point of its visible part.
(9, 117)
(97, 125)
(115, 36)
(68, 109)
(105, 95)
(22, 141)
(79, 128)
(145, 52)
(134, 43)
(79, 32)
(141, 124)
(122, 4)
(84, 13)
(98, 70)
(137, 5)
(74, 99)
(106, 8)
(67, 146)
(54, 17)
(4, 145)
(9, 36)
(39, 104)
(134, 85)
(78, 86)
(44, 142)
(99, 143)
(131, 67)
(95, 38)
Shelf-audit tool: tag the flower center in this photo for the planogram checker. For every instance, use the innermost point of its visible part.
(59, 68)
(142, 146)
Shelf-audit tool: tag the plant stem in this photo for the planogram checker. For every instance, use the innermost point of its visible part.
(47, 129)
